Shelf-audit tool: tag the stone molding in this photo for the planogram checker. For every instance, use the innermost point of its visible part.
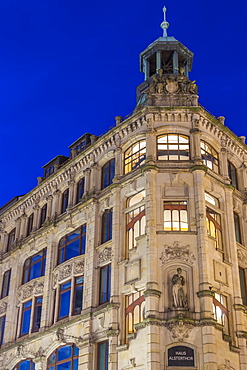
(177, 252)
(3, 307)
(74, 266)
(180, 330)
(31, 288)
(242, 256)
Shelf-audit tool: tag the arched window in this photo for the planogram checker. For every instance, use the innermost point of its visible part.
(65, 357)
(80, 189)
(72, 245)
(232, 173)
(65, 200)
(43, 215)
(134, 156)
(25, 365)
(173, 147)
(136, 219)
(209, 156)
(34, 266)
(11, 239)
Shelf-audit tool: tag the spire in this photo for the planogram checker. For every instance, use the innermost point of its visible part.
(164, 25)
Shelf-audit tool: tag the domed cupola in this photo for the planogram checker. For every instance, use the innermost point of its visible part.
(166, 64)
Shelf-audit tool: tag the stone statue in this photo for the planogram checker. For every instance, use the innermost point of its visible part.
(178, 295)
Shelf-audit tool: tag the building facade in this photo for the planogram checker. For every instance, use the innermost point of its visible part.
(131, 253)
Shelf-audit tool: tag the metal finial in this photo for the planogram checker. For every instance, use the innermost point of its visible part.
(164, 25)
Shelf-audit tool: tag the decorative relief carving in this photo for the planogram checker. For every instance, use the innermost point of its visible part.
(27, 290)
(178, 296)
(175, 251)
(105, 255)
(242, 256)
(67, 270)
(180, 330)
(79, 267)
(3, 307)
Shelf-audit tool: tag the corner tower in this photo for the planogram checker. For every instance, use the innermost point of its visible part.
(166, 64)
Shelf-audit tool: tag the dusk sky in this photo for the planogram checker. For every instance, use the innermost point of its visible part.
(70, 66)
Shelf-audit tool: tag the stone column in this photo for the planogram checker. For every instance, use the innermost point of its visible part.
(18, 228)
(23, 228)
(150, 141)
(175, 62)
(72, 191)
(224, 164)
(40, 362)
(35, 217)
(56, 203)
(118, 163)
(204, 262)
(158, 60)
(95, 173)
(152, 292)
(195, 140)
(87, 180)
(239, 321)
(86, 359)
(49, 206)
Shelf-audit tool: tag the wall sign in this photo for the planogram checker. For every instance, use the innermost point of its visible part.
(181, 356)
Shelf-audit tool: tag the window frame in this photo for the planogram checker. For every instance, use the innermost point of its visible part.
(169, 150)
(43, 215)
(30, 224)
(72, 297)
(65, 200)
(108, 171)
(106, 230)
(176, 206)
(106, 355)
(11, 239)
(32, 307)
(237, 228)
(36, 313)
(2, 329)
(132, 218)
(31, 367)
(6, 284)
(234, 178)
(80, 189)
(243, 284)
(130, 309)
(105, 295)
(132, 159)
(211, 156)
(29, 266)
(72, 358)
(62, 255)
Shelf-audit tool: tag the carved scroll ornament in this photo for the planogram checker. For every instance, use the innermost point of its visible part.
(178, 252)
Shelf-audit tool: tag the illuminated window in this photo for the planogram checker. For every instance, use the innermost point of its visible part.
(34, 266)
(65, 200)
(134, 156)
(237, 228)
(242, 278)
(6, 284)
(27, 308)
(173, 147)
(11, 239)
(175, 216)
(29, 224)
(70, 297)
(25, 365)
(105, 284)
(214, 230)
(209, 156)
(102, 355)
(220, 310)
(107, 226)
(136, 219)
(72, 245)
(212, 200)
(134, 312)
(232, 173)
(43, 215)
(64, 358)
(108, 173)
(80, 189)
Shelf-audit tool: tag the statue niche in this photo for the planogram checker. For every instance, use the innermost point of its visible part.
(179, 296)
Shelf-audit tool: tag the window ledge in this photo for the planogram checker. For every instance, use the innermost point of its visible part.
(177, 232)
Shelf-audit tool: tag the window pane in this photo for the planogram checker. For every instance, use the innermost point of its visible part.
(25, 321)
(35, 270)
(73, 249)
(6, 283)
(64, 352)
(243, 285)
(78, 299)
(2, 328)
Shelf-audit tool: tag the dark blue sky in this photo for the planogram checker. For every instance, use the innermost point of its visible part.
(70, 66)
